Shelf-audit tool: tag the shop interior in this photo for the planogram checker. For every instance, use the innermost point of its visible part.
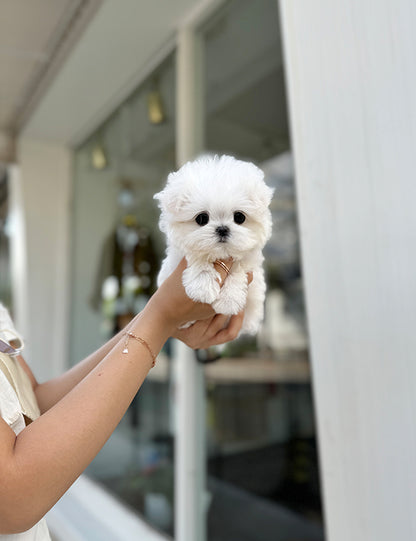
(262, 456)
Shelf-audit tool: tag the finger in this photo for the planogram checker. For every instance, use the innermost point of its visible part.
(194, 336)
(218, 322)
(230, 332)
(249, 277)
(200, 334)
(197, 328)
(223, 267)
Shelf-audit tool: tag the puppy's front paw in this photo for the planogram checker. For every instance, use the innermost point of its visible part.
(251, 324)
(200, 286)
(233, 295)
(229, 302)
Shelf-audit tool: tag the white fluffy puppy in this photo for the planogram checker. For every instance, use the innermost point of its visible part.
(217, 208)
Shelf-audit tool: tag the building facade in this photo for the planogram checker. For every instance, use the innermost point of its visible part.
(319, 96)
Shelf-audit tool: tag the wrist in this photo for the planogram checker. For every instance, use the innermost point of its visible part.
(155, 321)
(161, 309)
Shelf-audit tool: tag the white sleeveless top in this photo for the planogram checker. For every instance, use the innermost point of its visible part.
(16, 400)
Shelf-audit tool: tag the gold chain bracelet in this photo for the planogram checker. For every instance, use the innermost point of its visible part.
(143, 342)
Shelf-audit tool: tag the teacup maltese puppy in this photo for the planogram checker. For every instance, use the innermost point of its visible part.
(216, 208)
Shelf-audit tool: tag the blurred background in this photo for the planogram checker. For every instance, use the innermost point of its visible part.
(99, 101)
(259, 433)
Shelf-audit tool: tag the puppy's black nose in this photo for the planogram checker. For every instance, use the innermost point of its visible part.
(223, 232)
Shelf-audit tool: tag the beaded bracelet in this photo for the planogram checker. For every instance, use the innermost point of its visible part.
(143, 342)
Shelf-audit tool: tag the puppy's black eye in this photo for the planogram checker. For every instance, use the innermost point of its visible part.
(239, 217)
(202, 219)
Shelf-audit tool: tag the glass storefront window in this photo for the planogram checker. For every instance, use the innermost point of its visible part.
(116, 253)
(261, 439)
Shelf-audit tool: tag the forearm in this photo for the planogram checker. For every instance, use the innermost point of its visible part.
(53, 390)
(54, 450)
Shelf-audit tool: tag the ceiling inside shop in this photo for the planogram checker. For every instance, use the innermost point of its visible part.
(261, 107)
(253, 123)
(245, 98)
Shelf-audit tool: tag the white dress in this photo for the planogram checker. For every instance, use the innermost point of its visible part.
(17, 399)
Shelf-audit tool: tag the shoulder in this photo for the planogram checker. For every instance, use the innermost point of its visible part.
(8, 331)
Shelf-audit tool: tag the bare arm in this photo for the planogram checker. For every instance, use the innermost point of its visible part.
(40, 464)
(50, 392)
(211, 331)
(203, 334)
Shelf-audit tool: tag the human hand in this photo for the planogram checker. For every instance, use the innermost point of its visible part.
(172, 301)
(212, 331)
(215, 330)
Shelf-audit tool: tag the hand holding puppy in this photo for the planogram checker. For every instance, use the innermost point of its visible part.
(209, 329)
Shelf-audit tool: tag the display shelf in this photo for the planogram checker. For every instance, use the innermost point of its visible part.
(239, 370)
(259, 370)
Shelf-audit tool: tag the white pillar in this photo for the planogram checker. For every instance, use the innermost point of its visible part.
(44, 189)
(351, 84)
(190, 448)
(190, 98)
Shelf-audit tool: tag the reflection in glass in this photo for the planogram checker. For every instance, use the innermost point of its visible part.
(261, 438)
(116, 253)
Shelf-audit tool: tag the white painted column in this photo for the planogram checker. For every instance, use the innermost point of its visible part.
(44, 190)
(190, 97)
(190, 448)
(351, 76)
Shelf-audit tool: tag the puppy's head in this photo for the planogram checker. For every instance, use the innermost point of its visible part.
(216, 207)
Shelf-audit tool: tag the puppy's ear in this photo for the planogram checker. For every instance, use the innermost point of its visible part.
(173, 198)
(262, 194)
(266, 194)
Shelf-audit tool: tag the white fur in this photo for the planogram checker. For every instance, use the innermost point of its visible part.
(219, 186)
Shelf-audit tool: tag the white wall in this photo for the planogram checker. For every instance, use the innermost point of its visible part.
(45, 181)
(351, 79)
